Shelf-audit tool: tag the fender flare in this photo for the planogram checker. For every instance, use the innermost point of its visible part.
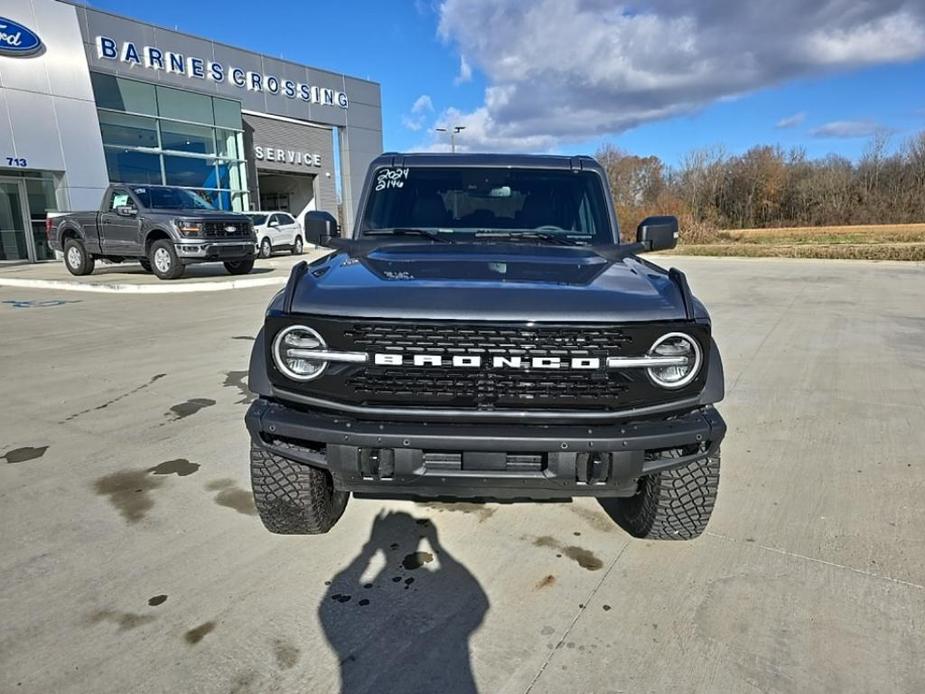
(158, 231)
(715, 388)
(258, 381)
(65, 228)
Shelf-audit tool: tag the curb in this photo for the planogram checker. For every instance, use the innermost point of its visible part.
(115, 288)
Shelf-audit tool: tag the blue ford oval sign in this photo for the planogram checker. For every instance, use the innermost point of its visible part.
(16, 39)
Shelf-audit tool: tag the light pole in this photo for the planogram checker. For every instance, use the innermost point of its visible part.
(456, 129)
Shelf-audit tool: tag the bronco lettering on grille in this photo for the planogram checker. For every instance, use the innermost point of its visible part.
(473, 361)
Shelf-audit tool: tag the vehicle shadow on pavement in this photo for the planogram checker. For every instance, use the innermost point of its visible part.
(405, 627)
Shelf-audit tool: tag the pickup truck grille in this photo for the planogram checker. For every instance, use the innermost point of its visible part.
(221, 229)
(487, 386)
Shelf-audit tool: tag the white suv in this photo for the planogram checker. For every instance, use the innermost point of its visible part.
(276, 231)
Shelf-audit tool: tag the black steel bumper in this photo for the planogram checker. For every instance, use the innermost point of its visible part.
(484, 460)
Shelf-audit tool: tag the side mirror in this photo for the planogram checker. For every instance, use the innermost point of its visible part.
(658, 233)
(320, 227)
(126, 211)
(274, 223)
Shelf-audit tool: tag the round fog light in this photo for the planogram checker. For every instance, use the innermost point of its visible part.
(292, 350)
(686, 358)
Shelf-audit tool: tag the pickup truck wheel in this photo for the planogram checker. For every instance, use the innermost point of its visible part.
(78, 261)
(164, 261)
(297, 246)
(145, 265)
(672, 505)
(294, 499)
(266, 248)
(240, 267)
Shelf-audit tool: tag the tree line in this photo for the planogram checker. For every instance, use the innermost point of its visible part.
(768, 186)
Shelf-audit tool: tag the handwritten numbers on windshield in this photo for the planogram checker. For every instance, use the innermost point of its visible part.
(391, 178)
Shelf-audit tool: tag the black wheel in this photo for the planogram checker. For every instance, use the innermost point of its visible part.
(672, 505)
(297, 246)
(266, 248)
(145, 264)
(294, 499)
(76, 258)
(240, 267)
(164, 261)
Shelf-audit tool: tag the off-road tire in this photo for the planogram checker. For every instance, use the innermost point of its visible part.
(240, 267)
(145, 264)
(672, 505)
(266, 248)
(76, 258)
(297, 246)
(294, 499)
(173, 269)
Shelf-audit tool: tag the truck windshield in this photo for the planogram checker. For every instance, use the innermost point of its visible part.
(162, 198)
(488, 202)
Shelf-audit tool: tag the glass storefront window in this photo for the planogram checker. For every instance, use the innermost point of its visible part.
(175, 103)
(227, 113)
(42, 200)
(190, 172)
(129, 166)
(181, 137)
(240, 202)
(128, 131)
(231, 175)
(178, 145)
(123, 95)
(230, 144)
(12, 234)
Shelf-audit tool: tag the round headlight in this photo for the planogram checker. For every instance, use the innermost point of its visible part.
(685, 351)
(292, 352)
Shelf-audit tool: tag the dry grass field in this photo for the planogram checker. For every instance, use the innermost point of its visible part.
(869, 242)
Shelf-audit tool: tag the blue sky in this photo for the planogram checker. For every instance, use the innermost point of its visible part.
(650, 79)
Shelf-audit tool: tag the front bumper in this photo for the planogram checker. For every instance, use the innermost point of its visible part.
(484, 460)
(206, 251)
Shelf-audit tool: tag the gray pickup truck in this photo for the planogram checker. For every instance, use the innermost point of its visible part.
(163, 228)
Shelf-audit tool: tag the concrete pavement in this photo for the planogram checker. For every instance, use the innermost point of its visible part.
(129, 277)
(131, 559)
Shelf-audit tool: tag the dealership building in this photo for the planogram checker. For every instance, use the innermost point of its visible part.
(88, 98)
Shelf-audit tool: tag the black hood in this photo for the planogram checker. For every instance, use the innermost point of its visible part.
(502, 282)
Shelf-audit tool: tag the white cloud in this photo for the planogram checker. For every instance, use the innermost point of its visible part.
(421, 110)
(791, 121)
(848, 128)
(465, 71)
(561, 71)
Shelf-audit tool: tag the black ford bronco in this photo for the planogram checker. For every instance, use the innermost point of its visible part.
(484, 334)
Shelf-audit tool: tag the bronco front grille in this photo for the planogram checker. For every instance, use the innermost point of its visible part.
(486, 387)
(487, 339)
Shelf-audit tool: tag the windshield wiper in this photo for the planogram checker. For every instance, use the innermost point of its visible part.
(408, 231)
(530, 235)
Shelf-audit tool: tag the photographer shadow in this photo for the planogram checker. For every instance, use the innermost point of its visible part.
(407, 627)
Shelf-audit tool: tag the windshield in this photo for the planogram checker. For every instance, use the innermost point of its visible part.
(160, 198)
(258, 219)
(489, 202)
